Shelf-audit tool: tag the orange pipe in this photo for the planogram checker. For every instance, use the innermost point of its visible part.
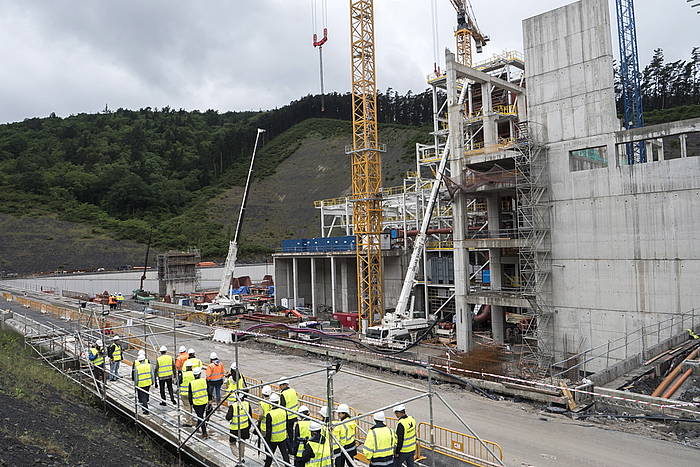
(677, 384)
(672, 376)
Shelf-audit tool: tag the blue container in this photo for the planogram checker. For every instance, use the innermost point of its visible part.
(486, 276)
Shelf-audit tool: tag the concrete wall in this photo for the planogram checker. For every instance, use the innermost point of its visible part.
(625, 239)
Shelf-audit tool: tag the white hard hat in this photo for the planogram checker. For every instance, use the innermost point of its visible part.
(266, 390)
(213, 356)
(116, 338)
(274, 397)
(197, 370)
(163, 348)
(233, 366)
(190, 351)
(189, 365)
(343, 408)
(400, 408)
(141, 357)
(183, 349)
(324, 411)
(379, 417)
(142, 353)
(286, 381)
(98, 343)
(314, 426)
(304, 409)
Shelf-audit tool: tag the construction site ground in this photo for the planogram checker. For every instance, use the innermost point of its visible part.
(528, 434)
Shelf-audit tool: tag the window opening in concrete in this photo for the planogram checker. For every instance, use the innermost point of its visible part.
(590, 158)
(692, 144)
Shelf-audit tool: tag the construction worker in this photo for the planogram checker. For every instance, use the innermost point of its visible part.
(120, 300)
(335, 440)
(345, 435)
(187, 377)
(97, 359)
(239, 416)
(302, 434)
(165, 370)
(182, 357)
(276, 432)
(199, 399)
(264, 408)
(114, 352)
(380, 443)
(316, 451)
(235, 380)
(289, 399)
(194, 361)
(215, 377)
(112, 302)
(142, 375)
(405, 450)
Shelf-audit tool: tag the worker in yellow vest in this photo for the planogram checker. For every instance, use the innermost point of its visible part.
(264, 408)
(215, 377)
(346, 436)
(96, 356)
(239, 416)
(276, 432)
(234, 381)
(199, 399)
(380, 443)
(186, 407)
(115, 354)
(405, 450)
(316, 451)
(165, 371)
(302, 434)
(290, 399)
(194, 361)
(142, 374)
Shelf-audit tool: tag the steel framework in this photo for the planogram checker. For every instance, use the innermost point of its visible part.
(629, 77)
(366, 164)
(535, 252)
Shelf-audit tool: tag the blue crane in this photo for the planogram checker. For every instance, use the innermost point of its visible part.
(629, 77)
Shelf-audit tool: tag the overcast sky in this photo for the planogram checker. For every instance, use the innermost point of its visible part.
(72, 56)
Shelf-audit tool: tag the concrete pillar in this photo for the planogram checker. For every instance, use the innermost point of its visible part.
(288, 275)
(333, 284)
(489, 120)
(313, 285)
(495, 268)
(463, 314)
(344, 286)
(497, 326)
(493, 210)
(684, 145)
(295, 280)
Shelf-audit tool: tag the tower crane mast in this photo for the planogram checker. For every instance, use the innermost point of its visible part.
(366, 164)
(467, 29)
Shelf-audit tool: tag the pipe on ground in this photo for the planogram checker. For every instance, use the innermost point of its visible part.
(677, 384)
(672, 376)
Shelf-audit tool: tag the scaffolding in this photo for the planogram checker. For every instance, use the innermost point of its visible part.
(535, 251)
(65, 345)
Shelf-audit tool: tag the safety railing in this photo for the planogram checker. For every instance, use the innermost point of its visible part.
(506, 56)
(459, 446)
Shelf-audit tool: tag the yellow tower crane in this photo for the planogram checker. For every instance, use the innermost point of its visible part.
(366, 163)
(467, 29)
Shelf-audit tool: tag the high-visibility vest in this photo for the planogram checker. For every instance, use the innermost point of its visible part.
(144, 377)
(240, 420)
(187, 377)
(117, 353)
(278, 430)
(181, 359)
(266, 407)
(346, 431)
(165, 366)
(304, 435)
(215, 371)
(112, 300)
(379, 446)
(99, 358)
(199, 391)
(322, 455)
(194, 362)
(232, 386)
(291, 401)
(120, 298)
(409, 434)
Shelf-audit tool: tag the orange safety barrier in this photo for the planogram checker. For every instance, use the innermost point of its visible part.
(459, 446)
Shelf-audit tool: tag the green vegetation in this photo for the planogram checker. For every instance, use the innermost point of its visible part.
(673, 114)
